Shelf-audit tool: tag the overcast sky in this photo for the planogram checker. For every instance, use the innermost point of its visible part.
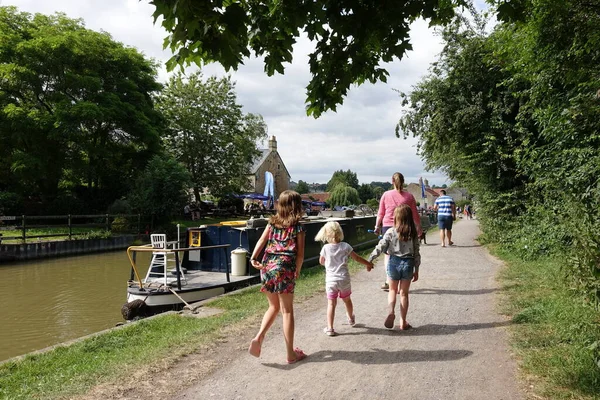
(359, 136)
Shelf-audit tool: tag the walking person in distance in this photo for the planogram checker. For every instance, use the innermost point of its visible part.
(446, 209)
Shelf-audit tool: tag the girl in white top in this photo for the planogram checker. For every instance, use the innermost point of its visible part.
(334, 256)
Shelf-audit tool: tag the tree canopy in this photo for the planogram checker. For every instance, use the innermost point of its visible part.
(344, 178)
(208, 133)
(302, 187)
(344, 196)
(76, 111)
(514, 117)
(352, 38)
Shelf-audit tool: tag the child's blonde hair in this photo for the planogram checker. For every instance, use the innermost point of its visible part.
(404, 223)
(331, 232)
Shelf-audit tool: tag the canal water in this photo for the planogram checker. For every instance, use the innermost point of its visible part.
(45, 302)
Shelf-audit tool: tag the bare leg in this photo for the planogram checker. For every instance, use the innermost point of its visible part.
(443, 237)
(349, 307)
(449, 235)
(386, 259)
(331, 304)
(404, 287)
(286, 302)
(389, 321)
(267, 321)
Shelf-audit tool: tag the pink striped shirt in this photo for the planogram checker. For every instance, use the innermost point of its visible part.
(392, 199)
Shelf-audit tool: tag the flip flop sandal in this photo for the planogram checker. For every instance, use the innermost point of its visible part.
(329, 332)
(300, 355)
(406, 327)
(389, 321)
(352, 320)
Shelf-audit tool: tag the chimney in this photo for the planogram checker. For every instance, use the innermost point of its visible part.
(426, 183)
(273, 144)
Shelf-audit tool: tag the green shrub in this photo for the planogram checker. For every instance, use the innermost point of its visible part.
(97, 235)
(120, 225)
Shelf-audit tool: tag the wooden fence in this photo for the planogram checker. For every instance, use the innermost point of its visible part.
(17, 227)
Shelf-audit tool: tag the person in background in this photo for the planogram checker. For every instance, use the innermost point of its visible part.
(283, 240)
(388, 203)
(446, 211)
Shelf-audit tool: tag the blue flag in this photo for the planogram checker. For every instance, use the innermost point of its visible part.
(422, 188)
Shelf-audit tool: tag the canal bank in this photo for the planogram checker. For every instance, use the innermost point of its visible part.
(59, 248)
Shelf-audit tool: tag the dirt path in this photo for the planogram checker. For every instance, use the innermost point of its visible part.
(457, 349)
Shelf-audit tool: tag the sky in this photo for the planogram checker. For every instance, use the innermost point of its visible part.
(360, 136)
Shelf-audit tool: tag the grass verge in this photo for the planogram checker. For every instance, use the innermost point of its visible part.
(72, 370)
(556, 334)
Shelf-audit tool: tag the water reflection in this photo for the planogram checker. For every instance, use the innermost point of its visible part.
(45, 302)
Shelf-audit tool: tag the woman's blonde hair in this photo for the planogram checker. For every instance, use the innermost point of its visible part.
(398, 180)
(404, 223)
(289, 210)
(331, 232)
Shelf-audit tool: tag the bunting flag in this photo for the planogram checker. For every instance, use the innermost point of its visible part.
(422, 188)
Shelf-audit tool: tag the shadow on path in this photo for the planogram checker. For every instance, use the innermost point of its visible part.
(378, 357)
(423, 330)
(451, 291)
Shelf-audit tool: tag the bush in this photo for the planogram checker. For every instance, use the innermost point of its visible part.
(10, 203)
(119, 206)
(373, 203)
(120, 225)
(97, 235)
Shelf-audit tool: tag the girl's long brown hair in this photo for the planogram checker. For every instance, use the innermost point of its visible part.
(404, 223)
(289, 210)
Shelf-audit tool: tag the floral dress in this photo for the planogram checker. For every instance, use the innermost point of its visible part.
(279, 261)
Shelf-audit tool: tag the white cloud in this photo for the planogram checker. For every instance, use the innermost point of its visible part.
(359, 136)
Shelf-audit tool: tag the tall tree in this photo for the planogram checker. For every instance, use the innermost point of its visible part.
(344, 196)
(302, 187)
(75, 108)
(160, 189)
(365, 191)
(208, 133)
(345, 178)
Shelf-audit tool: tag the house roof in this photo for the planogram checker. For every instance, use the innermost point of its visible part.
(259, 160)
(432, 192)
(317, 196)
(262, 157)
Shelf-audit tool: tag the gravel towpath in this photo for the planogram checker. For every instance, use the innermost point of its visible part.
(457, 348)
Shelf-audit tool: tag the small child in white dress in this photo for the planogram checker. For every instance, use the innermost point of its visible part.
(334, 256)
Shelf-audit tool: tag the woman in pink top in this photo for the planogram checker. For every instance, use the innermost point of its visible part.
(388, 203)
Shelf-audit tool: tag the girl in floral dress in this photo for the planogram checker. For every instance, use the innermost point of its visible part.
(283, 241)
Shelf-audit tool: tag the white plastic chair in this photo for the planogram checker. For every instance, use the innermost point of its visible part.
(159, 266)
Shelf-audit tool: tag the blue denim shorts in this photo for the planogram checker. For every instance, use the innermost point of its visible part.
(445, 222)
(400, 269)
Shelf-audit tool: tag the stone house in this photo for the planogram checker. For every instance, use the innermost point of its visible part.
(430, 195)
(269, 160)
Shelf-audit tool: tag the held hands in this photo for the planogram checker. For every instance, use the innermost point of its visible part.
(377, 230)
(370, 266)
(256, 264)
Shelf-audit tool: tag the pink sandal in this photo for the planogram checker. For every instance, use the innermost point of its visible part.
(300, 355)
